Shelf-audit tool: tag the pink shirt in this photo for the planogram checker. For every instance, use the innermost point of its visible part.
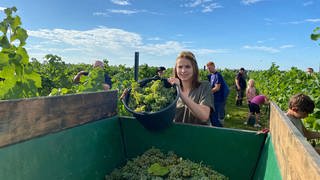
(260, 99)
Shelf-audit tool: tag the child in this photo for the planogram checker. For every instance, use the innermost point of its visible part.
(254, 107)
(300, 106)
(251, 90)
(250, 93)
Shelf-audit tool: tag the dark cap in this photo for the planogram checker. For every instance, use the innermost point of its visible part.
(242, 69)
(161, 68)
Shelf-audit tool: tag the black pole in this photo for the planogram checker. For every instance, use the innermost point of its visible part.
(136, 65)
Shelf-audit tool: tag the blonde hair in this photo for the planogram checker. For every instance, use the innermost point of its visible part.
(251, 81)
(191, 57)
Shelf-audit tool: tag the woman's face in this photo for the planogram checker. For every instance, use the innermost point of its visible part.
(184, 69)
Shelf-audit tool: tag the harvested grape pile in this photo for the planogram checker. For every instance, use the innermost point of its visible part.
(152, 97)
(154, 164)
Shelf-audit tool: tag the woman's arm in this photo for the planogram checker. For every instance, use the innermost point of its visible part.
(200, 111)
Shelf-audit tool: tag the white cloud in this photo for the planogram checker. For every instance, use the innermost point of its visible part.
(210, 51)
(312, 20)
(193, 3)
(262, 48)
(115, 44)
(121, 2)
(286, 46)
(169, 47)
(248, 2)
(211, 7)
(205, 5)
(122, 11)
(295, 22)
(101, 14)
(304, 21)
(308, 3)
(102, 37)
(2, 8)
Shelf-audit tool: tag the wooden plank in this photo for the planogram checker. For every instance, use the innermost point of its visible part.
(24, 119)
(296, 157)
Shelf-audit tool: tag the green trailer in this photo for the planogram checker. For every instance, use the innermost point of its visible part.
(82, 137)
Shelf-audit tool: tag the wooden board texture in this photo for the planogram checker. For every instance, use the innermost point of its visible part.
(296, 157)
(24, 119)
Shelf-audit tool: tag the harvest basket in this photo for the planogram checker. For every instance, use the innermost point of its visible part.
(154, 121)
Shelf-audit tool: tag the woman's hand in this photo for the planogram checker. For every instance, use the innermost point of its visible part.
(173, 81)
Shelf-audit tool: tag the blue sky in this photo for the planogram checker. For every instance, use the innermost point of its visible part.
(232, 33)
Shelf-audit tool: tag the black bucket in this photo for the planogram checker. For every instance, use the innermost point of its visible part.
(154, 121)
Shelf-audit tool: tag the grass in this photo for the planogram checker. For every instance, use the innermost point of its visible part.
(236, 116)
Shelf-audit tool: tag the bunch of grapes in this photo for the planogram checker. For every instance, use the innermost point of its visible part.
(166, 166)
(152, 97)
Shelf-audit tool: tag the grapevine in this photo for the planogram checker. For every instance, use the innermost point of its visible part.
(18, 79)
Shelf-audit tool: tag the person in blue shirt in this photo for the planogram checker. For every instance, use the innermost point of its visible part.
(97, 64)
(220, 91)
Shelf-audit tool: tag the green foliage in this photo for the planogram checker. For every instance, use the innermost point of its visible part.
(150, 98)
(18, 77)
(55, 73)
(93, 82)
(172, 167)
(146, 71)
(281, 85)
(316, 34)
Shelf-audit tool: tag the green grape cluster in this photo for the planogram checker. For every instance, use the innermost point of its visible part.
(152, 97)
(178, 168)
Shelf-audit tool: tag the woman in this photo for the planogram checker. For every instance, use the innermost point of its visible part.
(195, 102)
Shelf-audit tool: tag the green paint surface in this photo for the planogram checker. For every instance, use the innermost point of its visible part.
(93, 150)
(268, 168)
(84, 152)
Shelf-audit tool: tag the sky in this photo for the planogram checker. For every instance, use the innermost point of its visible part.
(232, 33)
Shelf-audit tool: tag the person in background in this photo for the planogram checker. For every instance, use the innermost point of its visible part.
(97, 64)
(300, 106)
(309, 71)
(251, 91)
(254, 107)
(160, 72)
(240, 86)
(219, 93)
(195, 102)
